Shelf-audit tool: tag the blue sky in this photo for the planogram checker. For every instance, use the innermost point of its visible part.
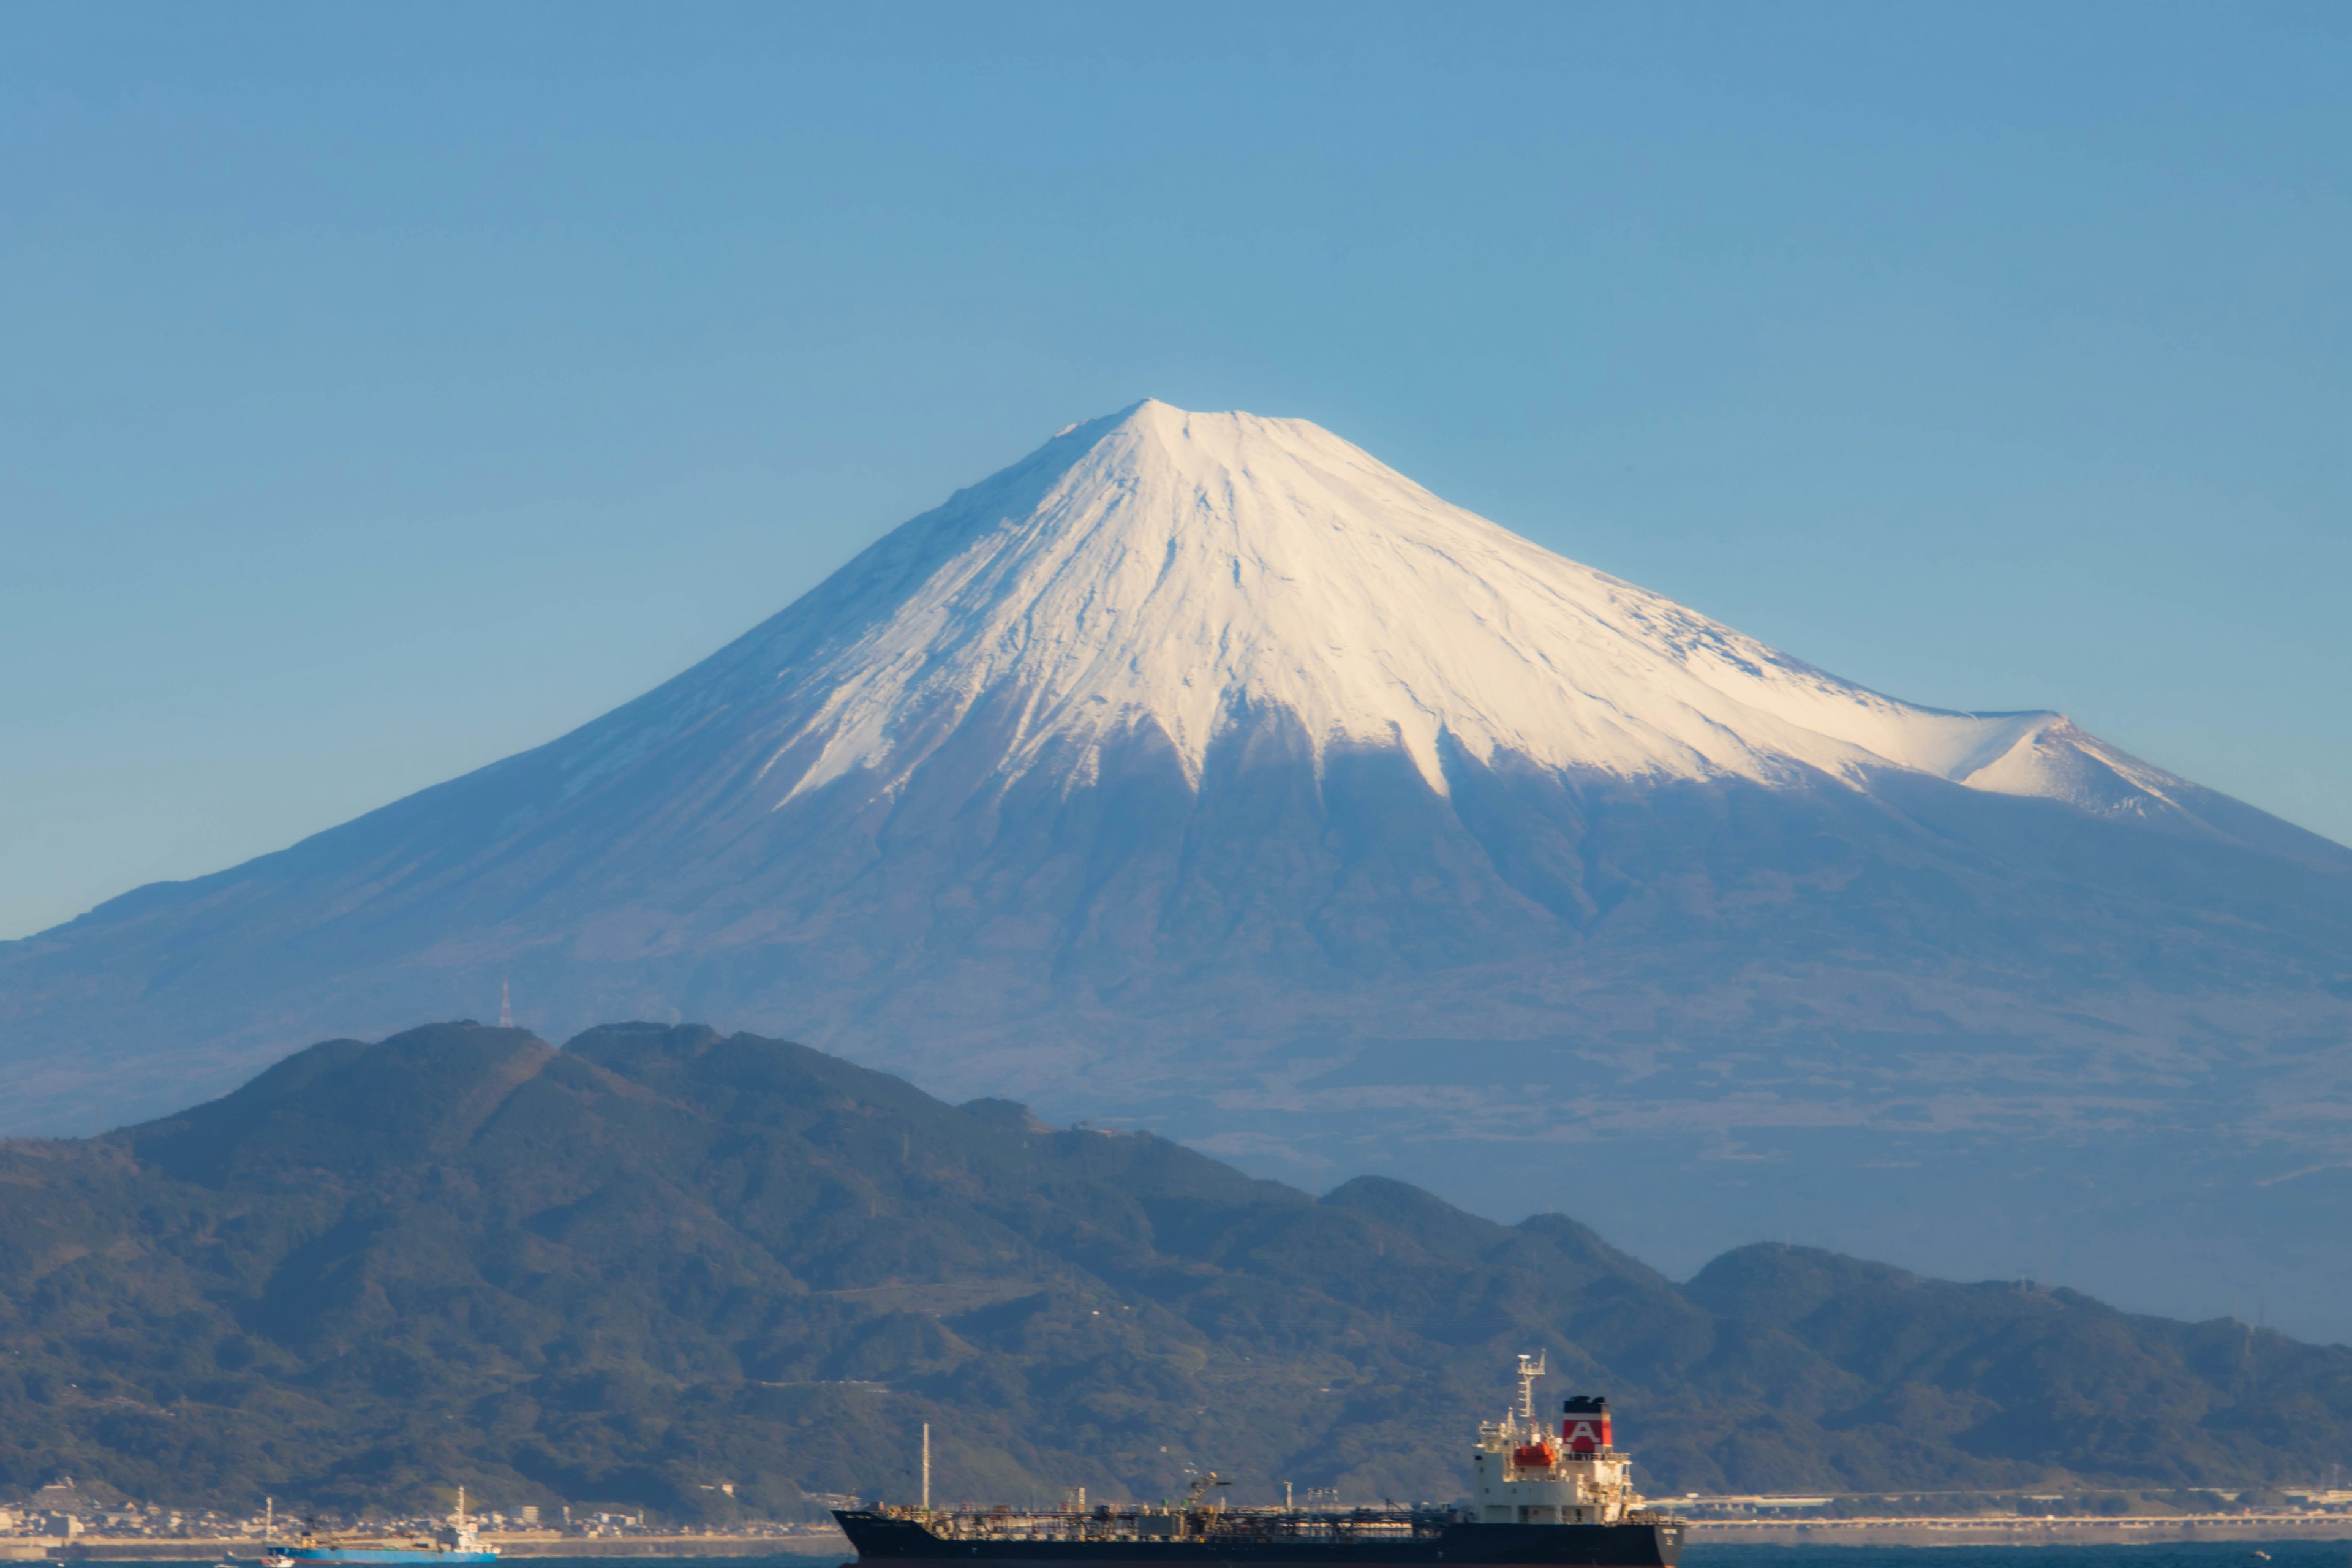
(385, 390)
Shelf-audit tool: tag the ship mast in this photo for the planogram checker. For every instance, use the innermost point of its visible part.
(1532, 1371)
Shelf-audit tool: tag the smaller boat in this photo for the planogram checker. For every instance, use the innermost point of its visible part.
(459, 1542)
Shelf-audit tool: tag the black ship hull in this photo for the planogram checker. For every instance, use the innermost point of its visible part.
(880, 1539)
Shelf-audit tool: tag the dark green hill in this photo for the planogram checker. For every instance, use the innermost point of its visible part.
(658, 1260)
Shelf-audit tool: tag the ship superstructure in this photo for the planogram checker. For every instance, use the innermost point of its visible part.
(1524, 1473)
(1538, 1499)
(457, 1542)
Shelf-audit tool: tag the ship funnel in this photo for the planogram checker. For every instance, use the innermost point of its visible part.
(1584, 1425)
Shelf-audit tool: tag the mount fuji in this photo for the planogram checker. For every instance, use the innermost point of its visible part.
(1200, 770)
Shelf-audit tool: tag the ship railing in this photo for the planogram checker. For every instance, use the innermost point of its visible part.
(1355, 1524)
(1101, 1523)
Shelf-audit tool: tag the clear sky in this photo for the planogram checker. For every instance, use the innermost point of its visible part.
(386, 389)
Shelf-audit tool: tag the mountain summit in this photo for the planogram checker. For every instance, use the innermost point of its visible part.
(1165, 578)
(1202, 770)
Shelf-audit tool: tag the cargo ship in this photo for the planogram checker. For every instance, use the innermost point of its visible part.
(459, 1542)
(1538, 1499)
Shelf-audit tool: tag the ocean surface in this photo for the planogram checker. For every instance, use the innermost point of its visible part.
(2165, 1554)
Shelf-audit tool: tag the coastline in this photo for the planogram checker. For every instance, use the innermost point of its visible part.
(815, 1546)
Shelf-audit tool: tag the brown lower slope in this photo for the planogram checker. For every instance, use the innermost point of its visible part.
(659, 1259)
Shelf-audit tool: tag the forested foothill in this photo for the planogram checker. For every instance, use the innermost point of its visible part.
(658, 1261)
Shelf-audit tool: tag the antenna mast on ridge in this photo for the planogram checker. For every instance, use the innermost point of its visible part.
(505, 1014)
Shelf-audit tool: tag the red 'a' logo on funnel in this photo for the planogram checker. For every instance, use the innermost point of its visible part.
(1584, 1425)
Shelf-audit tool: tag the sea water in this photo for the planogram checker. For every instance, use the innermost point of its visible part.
(2160, 1554)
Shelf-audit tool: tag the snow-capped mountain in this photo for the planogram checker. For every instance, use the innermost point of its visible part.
(1201, 769)
(1183, 575)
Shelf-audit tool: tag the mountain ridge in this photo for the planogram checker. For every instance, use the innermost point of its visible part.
(618, 1272)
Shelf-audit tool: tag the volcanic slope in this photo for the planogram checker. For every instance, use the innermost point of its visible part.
(1201, 769)
(620, 1273)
